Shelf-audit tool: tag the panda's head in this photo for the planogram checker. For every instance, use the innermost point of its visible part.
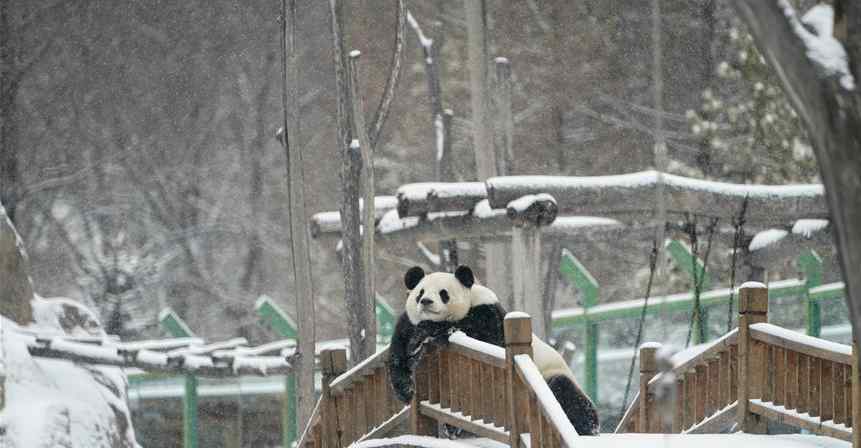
(439, 296)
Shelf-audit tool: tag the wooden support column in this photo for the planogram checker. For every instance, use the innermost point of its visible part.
(332, 363)
(298, 227)
(526, 263)
(496, 259)
(649, 421)
(359, 131)
(518, 341)
(752, 309)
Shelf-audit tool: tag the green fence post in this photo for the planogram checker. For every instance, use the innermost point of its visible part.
(177, 328)
(683, 257)
(386, 319)
(579, 276)
(273, 316)
(811, 265)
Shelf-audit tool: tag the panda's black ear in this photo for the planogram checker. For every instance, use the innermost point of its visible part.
(463, 274)
(413, 277)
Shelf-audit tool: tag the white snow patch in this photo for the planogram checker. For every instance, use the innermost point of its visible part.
(434, 258)
(420, 441)
(752, 285)
(425, 41)
(739, 440)
(482, 210)
(151, 358)
(523, 203)
(766, 238)
(803, 339)
(579, 222)
(822, 48)
(516, 315)
(355, 54)
(807, 227)
(460, 338)
(440, 136)
(651, 345)
(52, 402)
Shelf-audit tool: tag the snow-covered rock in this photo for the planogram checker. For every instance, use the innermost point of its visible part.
(49, 402)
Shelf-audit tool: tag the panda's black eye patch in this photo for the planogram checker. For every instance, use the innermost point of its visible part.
(443, 294)
(420, 295)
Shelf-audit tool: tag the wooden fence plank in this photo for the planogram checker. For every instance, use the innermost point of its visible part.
(791, 380)
(779, 397)
(826, 406)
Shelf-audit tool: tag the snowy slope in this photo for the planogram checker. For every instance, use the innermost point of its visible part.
(54, 403)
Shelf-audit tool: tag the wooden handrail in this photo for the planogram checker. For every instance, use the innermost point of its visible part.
(801, 343)
(363, 369)
(549, 406)
(478, 350)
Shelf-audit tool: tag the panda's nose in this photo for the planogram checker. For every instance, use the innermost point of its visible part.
(426, 301)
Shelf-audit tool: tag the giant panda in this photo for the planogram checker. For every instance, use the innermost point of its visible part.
(440, 303)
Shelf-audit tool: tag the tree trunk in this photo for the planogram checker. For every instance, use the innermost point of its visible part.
(832, 116)
(8, 150)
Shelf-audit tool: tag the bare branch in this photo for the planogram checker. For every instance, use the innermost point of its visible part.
(392, 82)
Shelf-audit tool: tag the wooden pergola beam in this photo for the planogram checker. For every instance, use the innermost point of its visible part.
(636, 192)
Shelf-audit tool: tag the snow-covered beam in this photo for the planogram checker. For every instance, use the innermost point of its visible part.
(428, 197)
(779, 244)
(635, 193)
(214, 360)
(329, 222)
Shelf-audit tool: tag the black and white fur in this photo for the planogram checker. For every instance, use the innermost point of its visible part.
(439, 304)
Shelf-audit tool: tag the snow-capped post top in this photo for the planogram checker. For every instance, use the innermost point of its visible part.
(648, 360)
(534, 209)
(518, 331)
(753, 298)
(355, 53)
(516, 315)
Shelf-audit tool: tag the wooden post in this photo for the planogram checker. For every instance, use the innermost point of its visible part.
(856, 396)
(298, 228)
(422, 425)
(368, 333)
(332, 363)
(526, 264)
(518, 340)
(648, 368)
(752, 309)
(496, 277)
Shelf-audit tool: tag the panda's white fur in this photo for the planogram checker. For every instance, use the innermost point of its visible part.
(461, 298)
(549, 362)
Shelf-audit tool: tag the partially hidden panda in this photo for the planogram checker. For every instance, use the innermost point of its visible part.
(441, 303)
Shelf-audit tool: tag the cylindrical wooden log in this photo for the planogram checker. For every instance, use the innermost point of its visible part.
(752, 309)
(532, 210)
(333, 363)
(518, 340)
(648, 369)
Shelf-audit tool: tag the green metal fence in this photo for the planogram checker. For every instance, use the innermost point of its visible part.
(592, 314)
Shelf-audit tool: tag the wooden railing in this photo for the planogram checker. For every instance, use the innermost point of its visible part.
(757, 372)
(481, 388)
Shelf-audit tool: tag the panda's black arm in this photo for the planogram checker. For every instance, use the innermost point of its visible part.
(484, 322)
(400, 372)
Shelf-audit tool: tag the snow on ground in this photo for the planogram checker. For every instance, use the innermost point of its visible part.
(428, 442)
(56, 403)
